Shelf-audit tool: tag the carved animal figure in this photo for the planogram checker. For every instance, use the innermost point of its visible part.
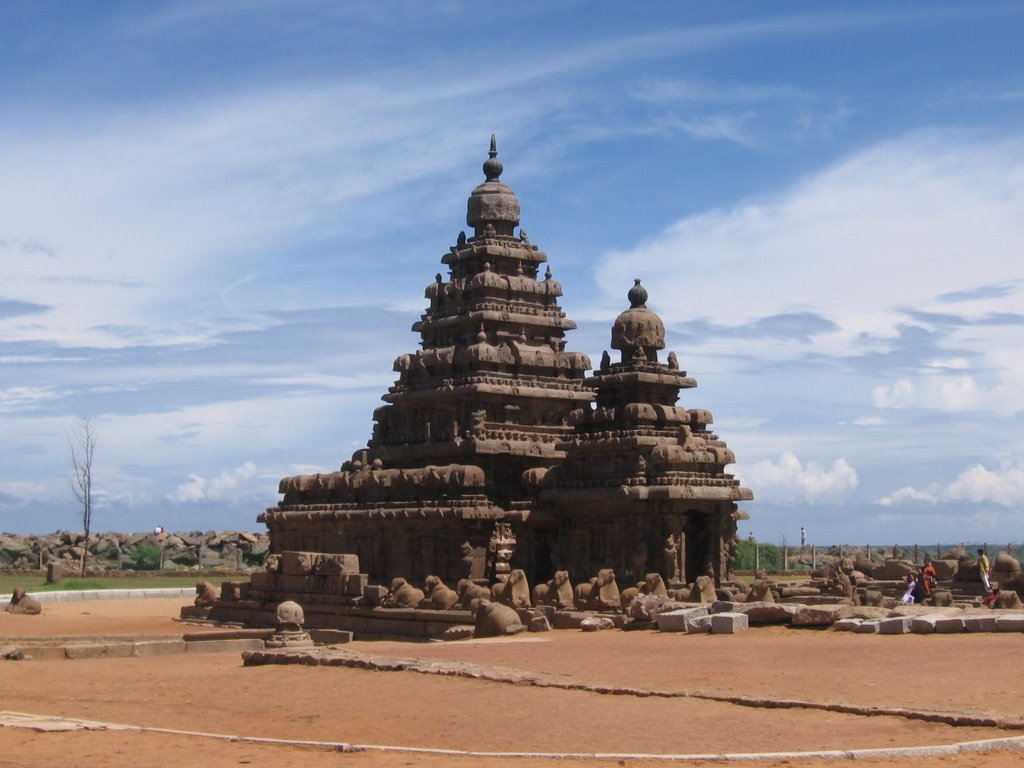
(581, 594)
(556, 592)
(439, 596)
(496, 620)
(22, 603)
(404, 595)
(206, 593)
(760, 592)
(514, 592)
(468, 591)
(1008, 600)
(655, 585)
(703, 590)
(627, 595)
(604, 593)
(941, 598)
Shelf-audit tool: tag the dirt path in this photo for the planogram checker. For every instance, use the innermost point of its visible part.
(213, 693)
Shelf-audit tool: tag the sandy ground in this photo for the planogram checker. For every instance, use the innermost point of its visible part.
(212, 693)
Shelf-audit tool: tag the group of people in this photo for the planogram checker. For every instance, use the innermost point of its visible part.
(920, 585)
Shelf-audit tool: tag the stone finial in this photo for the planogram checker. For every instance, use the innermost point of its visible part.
(492, 165)
(637, 295)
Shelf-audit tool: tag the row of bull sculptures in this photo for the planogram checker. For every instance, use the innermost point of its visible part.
(600, 593)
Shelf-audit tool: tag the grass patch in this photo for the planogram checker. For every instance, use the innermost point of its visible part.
(148, 581)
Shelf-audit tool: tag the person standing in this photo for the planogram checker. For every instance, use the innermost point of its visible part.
(803, 536)
(983, 567)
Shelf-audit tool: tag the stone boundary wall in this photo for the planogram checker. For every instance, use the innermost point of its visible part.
(72, 595)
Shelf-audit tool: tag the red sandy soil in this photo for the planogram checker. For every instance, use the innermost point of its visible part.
(977, 674)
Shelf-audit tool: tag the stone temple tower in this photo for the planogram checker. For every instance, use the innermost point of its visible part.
(490, 452)
(643, 487)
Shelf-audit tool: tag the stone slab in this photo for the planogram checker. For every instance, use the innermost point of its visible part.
(675, 621)
(846, 625)
(158, 647)
(948, 625)
(923, 625)
(1011, 623)
(897, 625)
(981, 623)
(868, 627)
(816, 615)
(222, 646)
(330, 636)
(729, 623)
(767, 613)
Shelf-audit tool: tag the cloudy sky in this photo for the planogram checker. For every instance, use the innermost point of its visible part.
(217, 221)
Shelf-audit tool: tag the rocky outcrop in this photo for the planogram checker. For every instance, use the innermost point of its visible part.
(228, 551)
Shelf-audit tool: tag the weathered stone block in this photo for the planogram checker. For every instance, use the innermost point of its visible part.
(85, 651)
(728, 623)
(923, 625)
(539, 623)
(353, 583)
(767, 613)
(330, 636)
(816, 615)
(675, 621)
(897, 625)
(697, 625)
(947, 625)
(596, 623)
(458, 632)
(568, 619)
(869, 627)
(1010, 623)
(374, 594)
(158, 648)
(259, 580)
(981, 623)
(846, 625)
(297, 563)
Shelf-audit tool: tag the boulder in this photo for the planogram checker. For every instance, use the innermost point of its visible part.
(596, 623)
(816, 615)
(894, 570)
(496, 620)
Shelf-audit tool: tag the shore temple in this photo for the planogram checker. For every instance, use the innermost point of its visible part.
(498, 448)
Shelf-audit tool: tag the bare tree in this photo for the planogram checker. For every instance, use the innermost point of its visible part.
(81, 445)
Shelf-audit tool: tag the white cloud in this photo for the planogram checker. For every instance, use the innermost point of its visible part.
(877, 243)
(223, 487)
(868, 421)
(977, 484)
(788, 481)
(21, 398)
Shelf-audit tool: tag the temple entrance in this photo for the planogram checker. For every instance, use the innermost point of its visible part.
(697, 534)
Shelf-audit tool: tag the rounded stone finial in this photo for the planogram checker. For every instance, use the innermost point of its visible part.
(638, 332)
(493, 208)
(637, 295)
(492, 165)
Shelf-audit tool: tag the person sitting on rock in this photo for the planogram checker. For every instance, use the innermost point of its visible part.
(991, 599)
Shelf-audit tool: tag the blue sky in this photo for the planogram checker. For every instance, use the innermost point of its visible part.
(217, 221)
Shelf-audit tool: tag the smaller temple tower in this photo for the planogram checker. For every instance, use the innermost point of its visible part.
(643, 487)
